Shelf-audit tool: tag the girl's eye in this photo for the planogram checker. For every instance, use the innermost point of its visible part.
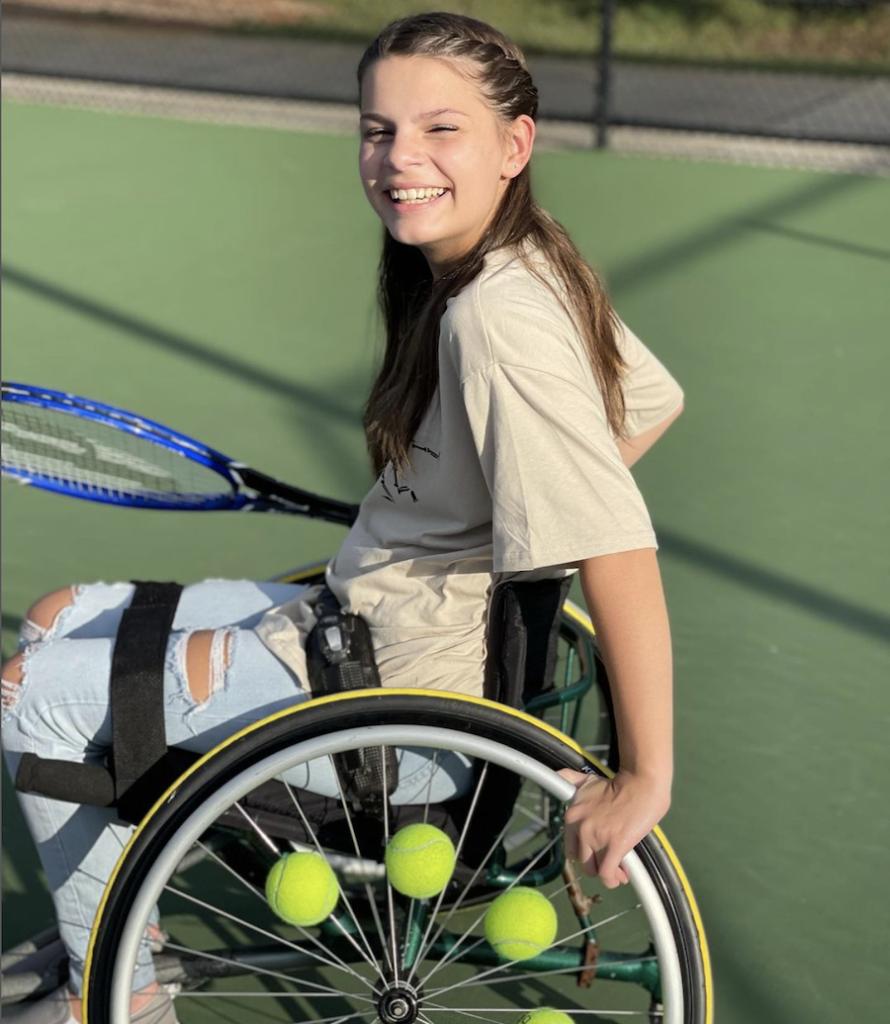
(378, 133)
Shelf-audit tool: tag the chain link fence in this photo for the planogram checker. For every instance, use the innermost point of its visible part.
(805, 91)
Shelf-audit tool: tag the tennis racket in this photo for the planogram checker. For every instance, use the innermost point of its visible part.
(88, 450)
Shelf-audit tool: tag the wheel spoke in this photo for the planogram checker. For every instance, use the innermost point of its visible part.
(425, 945)
(451, 958)
(536, 818)
(369, 892)
(575, 1011)
(214, 856)
(331, 1020)
(505, 966)
(390, 902)
(371, 958)
(453, 909)
(335, 961)
(515, 882)
(256, 969)
(474, 1013)
(580, 968)
(266, 839)
(333, 994)
(429, 788)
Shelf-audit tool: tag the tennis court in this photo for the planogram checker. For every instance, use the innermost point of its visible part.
(220, 279)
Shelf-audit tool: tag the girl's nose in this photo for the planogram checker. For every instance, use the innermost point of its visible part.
(404, 151)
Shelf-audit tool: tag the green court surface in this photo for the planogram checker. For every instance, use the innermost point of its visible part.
(220, 279)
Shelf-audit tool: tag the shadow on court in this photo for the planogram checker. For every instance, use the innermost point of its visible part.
(810, 599)
(176, 344)
(810, 238)
(724, 232)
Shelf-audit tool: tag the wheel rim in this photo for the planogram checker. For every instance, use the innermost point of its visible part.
(532, 770)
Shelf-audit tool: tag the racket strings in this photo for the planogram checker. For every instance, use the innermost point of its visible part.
(95, 458)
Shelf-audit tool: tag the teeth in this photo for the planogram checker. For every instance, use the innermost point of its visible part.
(416, 195)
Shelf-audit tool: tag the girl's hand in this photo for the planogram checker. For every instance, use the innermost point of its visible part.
(607, 819)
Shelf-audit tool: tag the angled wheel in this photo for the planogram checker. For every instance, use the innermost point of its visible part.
(634, 953)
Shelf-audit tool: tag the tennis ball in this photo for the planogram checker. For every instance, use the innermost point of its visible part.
(546, 1015)
(520, 923)
(419, 861)
(302, 888)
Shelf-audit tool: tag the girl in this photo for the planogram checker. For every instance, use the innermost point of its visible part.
(502, 425)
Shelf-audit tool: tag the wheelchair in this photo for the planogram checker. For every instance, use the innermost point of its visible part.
(200, 856)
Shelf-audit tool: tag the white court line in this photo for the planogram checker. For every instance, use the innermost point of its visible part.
(341, 119)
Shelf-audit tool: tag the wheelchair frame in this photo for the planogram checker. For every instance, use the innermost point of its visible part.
(654, 869)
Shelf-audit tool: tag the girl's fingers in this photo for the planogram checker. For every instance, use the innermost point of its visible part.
(588, 862)
(592, 858)
(611, 871)
(570, 775)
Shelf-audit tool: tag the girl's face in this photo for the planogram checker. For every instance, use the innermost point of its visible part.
(434, 158)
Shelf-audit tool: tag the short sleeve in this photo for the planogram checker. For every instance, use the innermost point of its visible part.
(650, 393)
(559, 490)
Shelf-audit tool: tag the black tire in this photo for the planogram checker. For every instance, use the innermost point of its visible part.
(414, 714)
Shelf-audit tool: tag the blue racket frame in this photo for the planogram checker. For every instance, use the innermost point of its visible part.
(138, 426)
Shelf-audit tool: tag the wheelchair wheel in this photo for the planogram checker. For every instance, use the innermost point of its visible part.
(202, 854)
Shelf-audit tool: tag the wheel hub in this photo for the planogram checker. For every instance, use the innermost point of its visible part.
(398, 1005)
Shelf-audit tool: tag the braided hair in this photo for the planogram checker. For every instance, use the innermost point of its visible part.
(412, 303)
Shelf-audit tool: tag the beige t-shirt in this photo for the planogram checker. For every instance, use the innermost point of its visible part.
(515, 473)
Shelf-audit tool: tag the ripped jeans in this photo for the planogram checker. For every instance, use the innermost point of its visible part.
(61, 710)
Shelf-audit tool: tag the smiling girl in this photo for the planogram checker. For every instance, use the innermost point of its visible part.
(510, 404)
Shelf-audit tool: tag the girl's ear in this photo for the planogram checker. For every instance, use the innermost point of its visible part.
(520, 140)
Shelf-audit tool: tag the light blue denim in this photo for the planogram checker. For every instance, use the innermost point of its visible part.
(61, 710)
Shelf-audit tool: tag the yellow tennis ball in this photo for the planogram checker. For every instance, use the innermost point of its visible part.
(520, 923)
(546, 1015)
(419, 861)
(302, 888)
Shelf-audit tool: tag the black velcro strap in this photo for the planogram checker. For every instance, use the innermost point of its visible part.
(142, 767)
(137, 685)
(65, 780)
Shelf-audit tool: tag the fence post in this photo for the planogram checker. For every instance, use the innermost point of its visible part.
(604, 78)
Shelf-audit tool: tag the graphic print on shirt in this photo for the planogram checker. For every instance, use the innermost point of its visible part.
(421, 448)
(396, 486)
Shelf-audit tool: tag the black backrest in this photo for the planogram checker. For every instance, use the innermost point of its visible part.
(523, 632)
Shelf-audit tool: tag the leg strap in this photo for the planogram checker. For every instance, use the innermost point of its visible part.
(140, 766)
(139, 742)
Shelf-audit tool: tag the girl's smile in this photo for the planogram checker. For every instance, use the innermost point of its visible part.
(409, 198)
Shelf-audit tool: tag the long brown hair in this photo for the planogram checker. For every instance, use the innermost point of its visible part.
(412, 303)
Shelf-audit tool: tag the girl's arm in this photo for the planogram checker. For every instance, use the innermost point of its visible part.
(625, 599)
(636, 447)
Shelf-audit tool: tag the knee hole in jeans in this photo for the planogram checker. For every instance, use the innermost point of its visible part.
(208, 654)
(11, 678)
(44, 613)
